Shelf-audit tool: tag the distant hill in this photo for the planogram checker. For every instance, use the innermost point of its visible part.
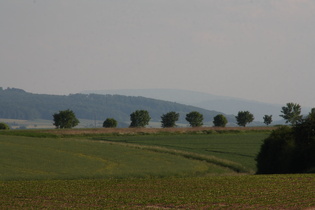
(18, 104)
(228, 105)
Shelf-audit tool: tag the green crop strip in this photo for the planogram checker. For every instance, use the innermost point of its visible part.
(210, 159)
(234, 148)
(28, 158)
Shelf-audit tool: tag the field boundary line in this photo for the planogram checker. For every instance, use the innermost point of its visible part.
(210, 159)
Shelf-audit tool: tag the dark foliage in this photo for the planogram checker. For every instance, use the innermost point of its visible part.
(304, 156)
(195, 119)
(291, 113)
(244, 117)
(110, 123)
(4, 126)
(139, 118)
(220, 120)
(169, 119)
(276, 152)
(289, 150)
(65, 119)
(267, 119)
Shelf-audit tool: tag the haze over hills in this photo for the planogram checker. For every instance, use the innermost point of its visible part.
(119, 104)
(228, 105)
(19, 104)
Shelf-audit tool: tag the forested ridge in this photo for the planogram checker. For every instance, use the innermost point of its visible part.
(19, 104)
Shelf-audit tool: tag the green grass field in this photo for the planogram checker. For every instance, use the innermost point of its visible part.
(133, 171)
(55, 158)
(241, 148)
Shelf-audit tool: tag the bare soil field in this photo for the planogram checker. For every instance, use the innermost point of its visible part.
(156, 130)
(95, 127)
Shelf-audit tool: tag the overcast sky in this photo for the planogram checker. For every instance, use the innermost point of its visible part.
(261, 50)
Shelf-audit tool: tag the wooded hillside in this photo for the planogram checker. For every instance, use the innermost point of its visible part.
(18, 104)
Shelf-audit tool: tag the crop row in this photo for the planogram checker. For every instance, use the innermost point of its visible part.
(214, 192)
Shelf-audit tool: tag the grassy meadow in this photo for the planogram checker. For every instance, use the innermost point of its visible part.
(27, 158)
(143, 169)
(241, 148)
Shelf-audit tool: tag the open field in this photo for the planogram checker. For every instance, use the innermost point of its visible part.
(68, 154)
(215, 192)
(143, 169)
(27, 158)
(240, 147)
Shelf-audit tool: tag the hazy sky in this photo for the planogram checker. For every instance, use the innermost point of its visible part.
(260, 50)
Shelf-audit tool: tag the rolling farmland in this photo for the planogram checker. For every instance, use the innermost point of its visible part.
(143, 169)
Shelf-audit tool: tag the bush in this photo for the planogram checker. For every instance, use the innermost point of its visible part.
(65, 119)
(139, 118)
(169, 119)
(220, 120)
(195, 119)
(275, 155)
(289, 150)
(110, 123)
(4, 126)
(304, 156)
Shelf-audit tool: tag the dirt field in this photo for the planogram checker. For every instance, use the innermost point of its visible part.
(154, 130)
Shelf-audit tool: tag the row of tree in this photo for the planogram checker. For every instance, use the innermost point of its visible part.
(140, 118)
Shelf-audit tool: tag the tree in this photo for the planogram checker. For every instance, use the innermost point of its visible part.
(304, 154)
(110, 123)
(267, 119)
(276, 152)
(220, 120)
(291, 113)
(139, 118)
(244, 117)
(169, 119)
(65, 119)
(195, 119)
(4, 126)
(289, 149)
(312, 113)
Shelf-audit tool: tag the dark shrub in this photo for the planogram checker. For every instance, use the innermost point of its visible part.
(276, 151)
(289, 150)
(110, 123)
(4, 126)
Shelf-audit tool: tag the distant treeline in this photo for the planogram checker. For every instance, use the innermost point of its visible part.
(19, 104)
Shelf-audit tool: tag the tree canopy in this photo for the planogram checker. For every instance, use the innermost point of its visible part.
(267, 119)
(65, 119)
(4, 126)
(244, 117)
(139, 118)
(219, 120)
(291, 113)
(289, 149)
(110, 123)
(195, 119)
(169, 119)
